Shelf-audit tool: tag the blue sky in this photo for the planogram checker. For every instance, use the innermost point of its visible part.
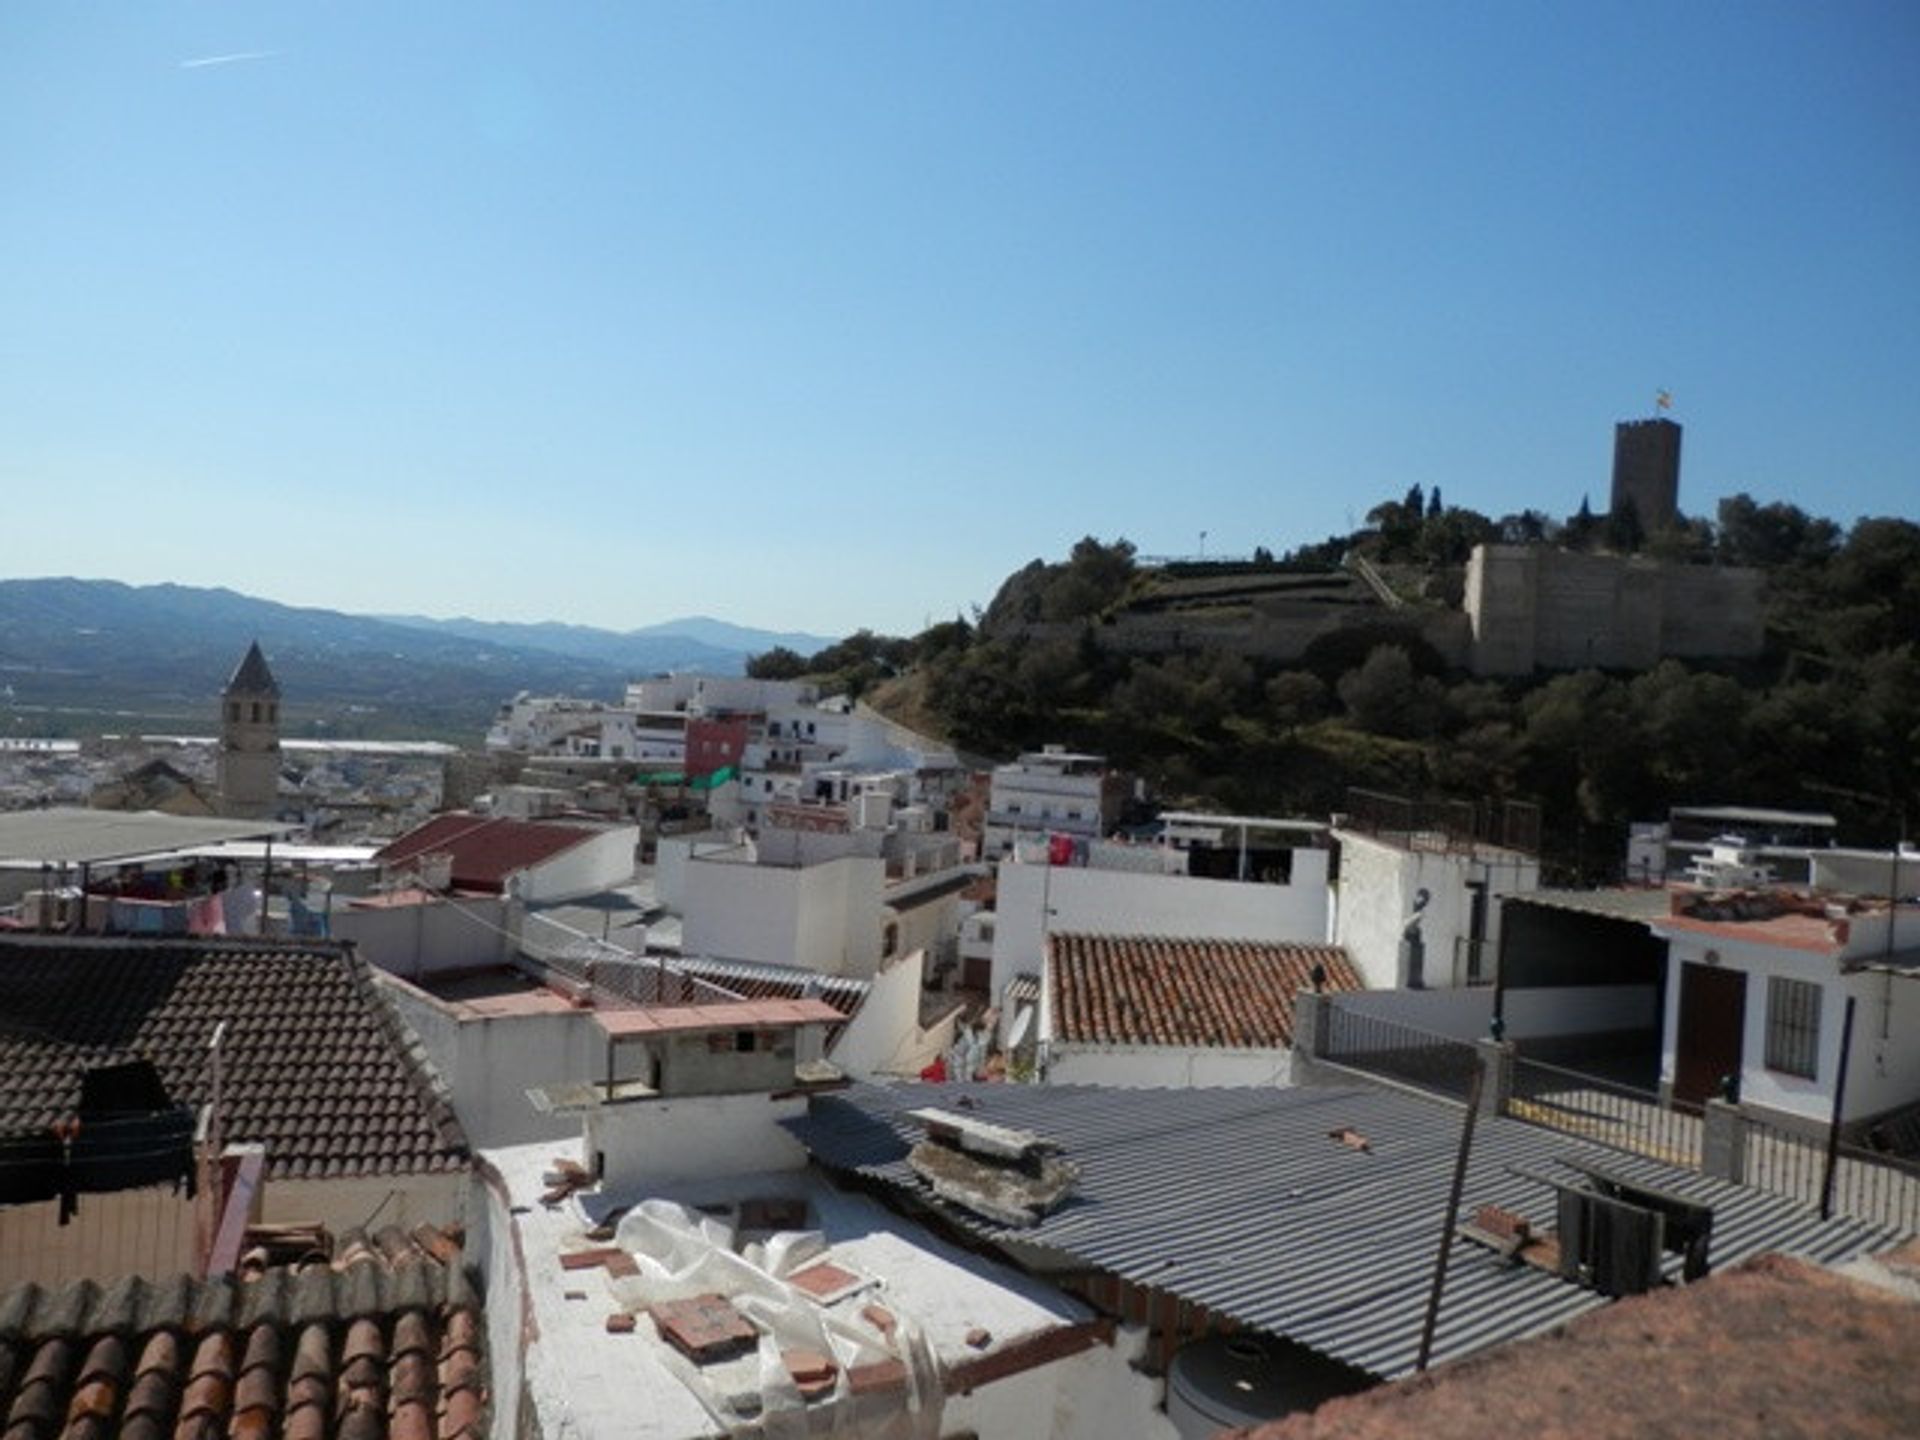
(829, 315)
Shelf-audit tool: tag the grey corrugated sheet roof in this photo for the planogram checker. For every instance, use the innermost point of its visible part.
(753, 978)
(69, 835)
(1239, 1200)
(1609, 904)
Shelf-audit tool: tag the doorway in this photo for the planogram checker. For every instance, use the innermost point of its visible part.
(1713, 1019)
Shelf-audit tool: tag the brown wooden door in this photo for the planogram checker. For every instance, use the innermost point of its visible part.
(1713, 1018)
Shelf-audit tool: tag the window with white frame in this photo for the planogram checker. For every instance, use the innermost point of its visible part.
(1793, 1026)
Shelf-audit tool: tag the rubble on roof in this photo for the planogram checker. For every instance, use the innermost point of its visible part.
(1003, 1174)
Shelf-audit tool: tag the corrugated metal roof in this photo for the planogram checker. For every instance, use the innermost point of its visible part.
(754, 980)
(69, 835)
(1239, 1200)
(1642, 905)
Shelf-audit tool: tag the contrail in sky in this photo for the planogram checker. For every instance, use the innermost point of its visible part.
(238, 57)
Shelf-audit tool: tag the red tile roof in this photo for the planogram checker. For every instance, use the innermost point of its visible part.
(387, 1341)
(315, 1065)
(1771, 1348)
(1147, 990)
(741, 1015)
(485, 849)
(1793, 932)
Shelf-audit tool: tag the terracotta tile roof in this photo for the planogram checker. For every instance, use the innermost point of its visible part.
(315, 1065)
(386, 1342)
(485, 850)
(1773, 1347)
(1148, 990)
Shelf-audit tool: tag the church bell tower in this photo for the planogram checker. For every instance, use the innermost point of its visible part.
(250, 740)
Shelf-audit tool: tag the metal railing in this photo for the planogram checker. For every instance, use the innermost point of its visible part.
(1400, 1052)
(1867, 1185)
(1445, 825)
(1605, 1112)
(616, 976)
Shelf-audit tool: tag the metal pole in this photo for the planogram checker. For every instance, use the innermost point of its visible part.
(266, 886)
(1451, 1218)
(216, 1133)
(1839, 1101)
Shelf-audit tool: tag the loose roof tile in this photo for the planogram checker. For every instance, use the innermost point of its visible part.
(1149, 990)
(315, 1064)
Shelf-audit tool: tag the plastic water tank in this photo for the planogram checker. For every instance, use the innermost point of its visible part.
(1232, 1380)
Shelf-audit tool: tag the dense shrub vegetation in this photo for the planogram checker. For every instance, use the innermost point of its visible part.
(1828, 718)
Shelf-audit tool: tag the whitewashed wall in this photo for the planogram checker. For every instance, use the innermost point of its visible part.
(1884, 1071)
(1378, 883)
(428, 939)
(884, 1040)
(588, 868)
(490, 1062)
(1167, 1067)
(822, 917)
(649, 1143)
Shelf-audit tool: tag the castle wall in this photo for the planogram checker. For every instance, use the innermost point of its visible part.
(1531, 608)
(1710, 612)
(1526, 608)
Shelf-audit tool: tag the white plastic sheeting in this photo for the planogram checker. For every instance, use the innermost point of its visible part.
(682, 1253)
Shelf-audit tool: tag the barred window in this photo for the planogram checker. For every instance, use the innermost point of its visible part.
(1793, 1026)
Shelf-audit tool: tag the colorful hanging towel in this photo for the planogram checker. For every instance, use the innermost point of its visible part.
(207, 916)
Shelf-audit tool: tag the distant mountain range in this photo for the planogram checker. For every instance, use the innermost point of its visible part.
(697, 640)
(86, 656)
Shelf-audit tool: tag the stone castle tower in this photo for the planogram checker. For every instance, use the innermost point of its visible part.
(250, 740)
(1646, 470)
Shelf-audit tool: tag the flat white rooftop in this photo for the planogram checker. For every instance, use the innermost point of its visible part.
(586, 1381)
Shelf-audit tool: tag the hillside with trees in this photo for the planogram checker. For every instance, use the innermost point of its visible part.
(1827, 718)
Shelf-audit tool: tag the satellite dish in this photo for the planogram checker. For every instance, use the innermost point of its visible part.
(1022, 1023)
